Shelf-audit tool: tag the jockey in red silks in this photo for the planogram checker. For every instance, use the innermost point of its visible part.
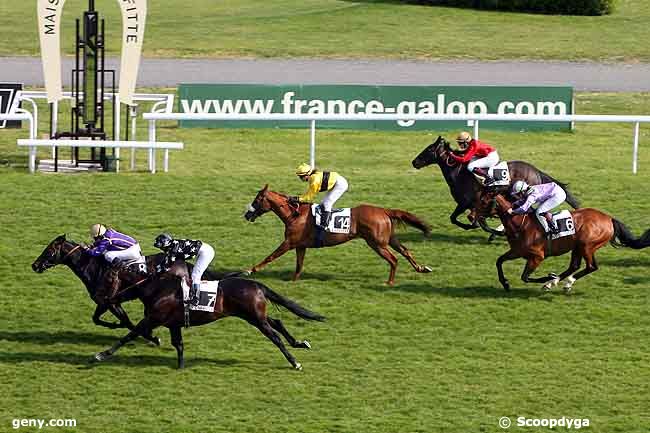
(480, 156)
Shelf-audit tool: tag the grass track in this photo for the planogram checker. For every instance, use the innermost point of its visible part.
(443, 352)
(350, 29)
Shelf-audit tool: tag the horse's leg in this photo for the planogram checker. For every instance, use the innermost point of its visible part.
(300, 259)
(397, 246)
(125, 322)
(177, 342)
(281, 249)
(454, 215)
(279, 326)
(590, 266)
(389, 257)
(266, 329)
(574, 265)
(532, 264)
(143, 327)
(509, 255)
(101, 309)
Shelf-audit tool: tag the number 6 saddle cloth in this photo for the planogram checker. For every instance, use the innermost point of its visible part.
(564, 222)
(339, 221)
(207, 295)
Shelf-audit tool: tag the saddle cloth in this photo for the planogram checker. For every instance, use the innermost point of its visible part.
(339, 221)
(563, 221)
(136, 265)
(207, 295)
(499, 173)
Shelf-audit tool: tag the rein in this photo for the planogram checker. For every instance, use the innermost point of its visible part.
(114, 293)
(70, 252)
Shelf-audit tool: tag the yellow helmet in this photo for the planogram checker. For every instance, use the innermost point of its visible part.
(97, 230)
(304, 169)
(464, 137)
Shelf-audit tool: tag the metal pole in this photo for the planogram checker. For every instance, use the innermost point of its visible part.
(476, 129)
(133, 112)
(152, 138)
(635, 151)
(312, 144)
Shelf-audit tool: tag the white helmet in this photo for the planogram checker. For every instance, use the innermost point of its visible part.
(519, 187)
(97, 230)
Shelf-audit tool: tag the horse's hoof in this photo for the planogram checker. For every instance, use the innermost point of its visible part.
(298, 366)
(568, 290)
(156, 341)
(426, 270)
(306, 344)
(506, 286)
(101, 356)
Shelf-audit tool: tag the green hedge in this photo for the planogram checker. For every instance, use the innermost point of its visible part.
(561, 7)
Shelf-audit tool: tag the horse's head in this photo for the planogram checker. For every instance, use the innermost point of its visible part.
(431, 153)
(52, 255)
(259, 206)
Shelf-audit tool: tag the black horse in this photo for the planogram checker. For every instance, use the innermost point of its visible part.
(239, 297)
(466, 190)
(92, 271)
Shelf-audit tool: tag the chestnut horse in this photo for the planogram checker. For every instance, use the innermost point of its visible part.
(375, 225)
(527, 239)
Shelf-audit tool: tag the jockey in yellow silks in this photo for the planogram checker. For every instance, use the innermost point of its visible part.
(320, 181)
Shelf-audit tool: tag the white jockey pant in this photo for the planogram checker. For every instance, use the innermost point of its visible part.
(334, 194)
(131, 253)
(203, 259)
(488, 161)
(551, 203)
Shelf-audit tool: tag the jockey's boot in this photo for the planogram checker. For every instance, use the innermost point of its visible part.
(552, 228)
(483, 172)
(325, 217)
(194, 294)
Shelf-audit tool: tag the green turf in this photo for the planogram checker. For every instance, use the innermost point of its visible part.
(445, 352)
(350, 29)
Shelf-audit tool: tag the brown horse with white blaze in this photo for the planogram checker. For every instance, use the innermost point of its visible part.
(527, 239)
(374, 224)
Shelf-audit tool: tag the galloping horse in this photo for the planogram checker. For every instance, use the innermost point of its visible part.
(92, 272)
(374, 224)
(527, 239)
(237, 297)
(463, 185)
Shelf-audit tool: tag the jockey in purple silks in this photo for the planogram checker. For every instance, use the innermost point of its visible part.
(116, 247)
(546, 195)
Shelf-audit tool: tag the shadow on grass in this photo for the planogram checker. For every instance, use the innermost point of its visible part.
(627, 262)
(287, 275)
(477, 237)
(465, 292)
(85, 360)
(56, 337)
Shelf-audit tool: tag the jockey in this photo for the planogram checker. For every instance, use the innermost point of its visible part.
(185, 249)
(319, 181)
(546, 195)
(481, 156)
(116, 247)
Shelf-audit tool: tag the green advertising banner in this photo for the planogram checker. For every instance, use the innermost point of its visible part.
(352, 99)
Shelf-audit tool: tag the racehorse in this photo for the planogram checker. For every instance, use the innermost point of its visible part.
(239, 297)
(92, 272)
(527, 239)
(375, 225)
(465, 189)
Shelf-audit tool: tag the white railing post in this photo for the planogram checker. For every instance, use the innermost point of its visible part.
(312, 143)
(152, 138)
(133, 113)
(635, 150)
(476, 129)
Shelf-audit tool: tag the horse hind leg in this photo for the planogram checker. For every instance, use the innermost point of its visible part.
(279, 326)
(590, 266)
(177, 342)
(574, 265)
(408, 255)
(266, 329)
(389, 257)
(125, 322)
(101, 309)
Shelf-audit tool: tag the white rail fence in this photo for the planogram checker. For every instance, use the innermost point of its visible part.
(471, 119)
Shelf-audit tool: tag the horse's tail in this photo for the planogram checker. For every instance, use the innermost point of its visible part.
(623, 237)
(574, 202)
(404, 217)
(290, 305)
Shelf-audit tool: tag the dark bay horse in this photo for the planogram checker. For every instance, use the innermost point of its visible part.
(463, 186)
(92, 272)
(593, 229)
(375, 225)
(238, 297)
